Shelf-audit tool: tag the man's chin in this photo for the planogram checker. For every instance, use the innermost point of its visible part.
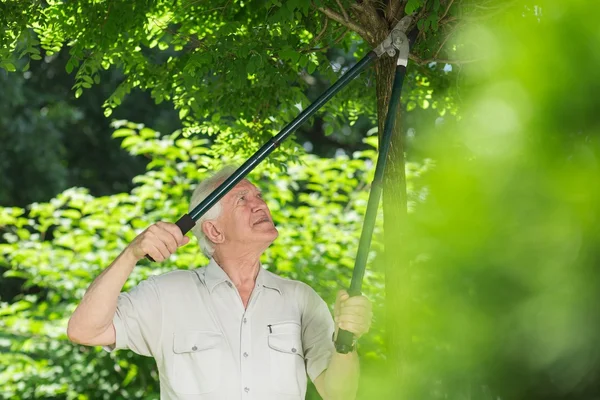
(272, 234)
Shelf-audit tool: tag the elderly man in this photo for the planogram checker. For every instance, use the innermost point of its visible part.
(230, 330)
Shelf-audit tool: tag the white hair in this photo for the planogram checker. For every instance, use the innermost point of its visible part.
(201, 192)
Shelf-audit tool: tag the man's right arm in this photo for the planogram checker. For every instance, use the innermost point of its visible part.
(92, 321)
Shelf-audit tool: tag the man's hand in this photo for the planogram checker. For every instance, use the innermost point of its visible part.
(159, 241)
(352, 314)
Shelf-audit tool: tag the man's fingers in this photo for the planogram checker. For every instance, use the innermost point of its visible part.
(356, 329)
(355, 319)
(165, 235)
(174, 230)
(163, 249)
(357, 301)
(357, 308)
(341, 294)
(154, 252)
(353, 314)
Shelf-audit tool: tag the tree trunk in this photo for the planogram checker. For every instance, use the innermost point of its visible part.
(395, 216)
(394, 187)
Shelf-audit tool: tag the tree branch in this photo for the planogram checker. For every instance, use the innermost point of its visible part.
(320, 34)
(420, 61)
(340, 19)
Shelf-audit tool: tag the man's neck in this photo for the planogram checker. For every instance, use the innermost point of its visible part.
(242, 269)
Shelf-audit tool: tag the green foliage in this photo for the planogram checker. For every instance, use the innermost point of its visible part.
(232, 69)
(228, 63)
(59, 247)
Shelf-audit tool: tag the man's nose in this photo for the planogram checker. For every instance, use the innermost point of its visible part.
(258, 204)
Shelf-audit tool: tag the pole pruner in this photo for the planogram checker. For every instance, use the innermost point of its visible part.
(395, 44)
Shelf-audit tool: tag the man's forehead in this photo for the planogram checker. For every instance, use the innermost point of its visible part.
(244, 186)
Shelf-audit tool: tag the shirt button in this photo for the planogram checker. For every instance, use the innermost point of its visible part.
(293, 350)
(229, 283)
(245, 354)
(194, 348)
(245, 320)
(246, 389)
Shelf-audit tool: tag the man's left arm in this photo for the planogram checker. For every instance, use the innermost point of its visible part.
(340, 379)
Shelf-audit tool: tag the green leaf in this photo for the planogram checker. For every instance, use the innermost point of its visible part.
(412, 6)
(71, 214)
(183, 113)
(123, 132)
(289, 54)
(130, 141)
(147, 133)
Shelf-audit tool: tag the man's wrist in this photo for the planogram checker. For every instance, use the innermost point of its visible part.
(129, 257)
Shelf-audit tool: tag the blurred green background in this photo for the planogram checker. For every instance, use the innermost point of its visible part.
(501, 251)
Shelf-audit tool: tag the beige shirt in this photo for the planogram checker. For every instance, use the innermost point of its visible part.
(207, 346)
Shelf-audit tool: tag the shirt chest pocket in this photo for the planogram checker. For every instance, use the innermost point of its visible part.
(288, 372)
(196, 366)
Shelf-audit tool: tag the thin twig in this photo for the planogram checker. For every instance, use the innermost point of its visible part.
(343, 10)
(320, 35)
(225, 7)
(442, 45)
(447, 9)
(451, 32)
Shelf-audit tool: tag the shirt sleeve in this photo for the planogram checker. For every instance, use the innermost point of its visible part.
(138, 319)
(317, 333)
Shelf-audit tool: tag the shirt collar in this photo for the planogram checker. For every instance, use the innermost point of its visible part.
(267, 280)
(215, 275)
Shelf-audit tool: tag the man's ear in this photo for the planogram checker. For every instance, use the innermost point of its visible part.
(212, 232)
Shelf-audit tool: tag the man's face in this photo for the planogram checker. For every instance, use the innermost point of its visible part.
(245, 218)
